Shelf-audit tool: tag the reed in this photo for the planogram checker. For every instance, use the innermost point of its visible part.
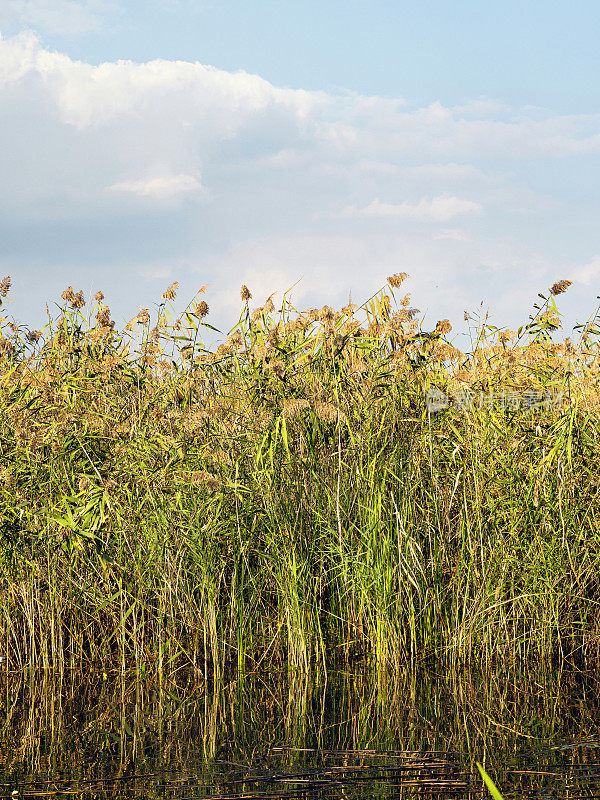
(288, 498)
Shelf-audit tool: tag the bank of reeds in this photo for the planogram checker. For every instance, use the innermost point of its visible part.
(289, 498)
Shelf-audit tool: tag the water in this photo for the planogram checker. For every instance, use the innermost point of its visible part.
(267, 735)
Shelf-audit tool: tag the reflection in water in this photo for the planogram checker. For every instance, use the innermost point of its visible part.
(269, 735)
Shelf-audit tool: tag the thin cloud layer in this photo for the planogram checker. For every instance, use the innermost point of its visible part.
(64, 17)
(161, 188)
(129, 172)
(435, 209)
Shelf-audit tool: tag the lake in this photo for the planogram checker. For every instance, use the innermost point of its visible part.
(347, 735)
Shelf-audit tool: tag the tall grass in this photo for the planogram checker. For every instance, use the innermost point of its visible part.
(288, 498)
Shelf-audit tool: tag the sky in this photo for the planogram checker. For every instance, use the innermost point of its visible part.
(315, 145)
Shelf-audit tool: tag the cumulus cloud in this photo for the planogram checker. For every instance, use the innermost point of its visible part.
(275, 181)
(435, 209)
(588, 273)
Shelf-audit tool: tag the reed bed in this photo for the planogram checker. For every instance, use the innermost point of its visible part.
(288, 498)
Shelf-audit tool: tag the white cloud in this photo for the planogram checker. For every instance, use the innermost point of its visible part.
(444, 172)
(159, 188)
(436, 209)
(447, 276)
(588, 273)
(101, 155)
(113, 92)
(481, 107)
(65, 17)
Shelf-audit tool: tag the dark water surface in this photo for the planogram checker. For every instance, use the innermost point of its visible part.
(347, 736)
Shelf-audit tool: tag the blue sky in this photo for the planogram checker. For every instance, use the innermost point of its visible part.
(328, 142)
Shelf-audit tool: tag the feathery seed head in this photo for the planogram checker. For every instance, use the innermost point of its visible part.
(6, 347)
(5, 285)
(171, 292)
(143, 318)
(276, 368)
(351, 327)
(99, 296)
(506, 336)
(236, 341)
(327, 315)
(202, 309)
(327, 412)
(551, 318)
(294, 407)
(273, 336)
(443, 326)
(245, 294)
(77, 300)
(396, 280)
(205, 480)
(560, 286)
(259, 352)
(103, 318)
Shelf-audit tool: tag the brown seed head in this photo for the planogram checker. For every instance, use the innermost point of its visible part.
(236, 341)
(276, 368)
(5, 285)
(396, 280)
(68, 294)
(6, 347)
(33, 336)
(99, 296)
(327, 412)
(506, 336)
(269, 307)
(245, 294)
(327, 315)
(351, 326)
(205, 480)
(171, 292)
(78, 300)
(294, 407)
(202, 309)
(143, 318)
(550, 318)
(559, 287)
(443, 326)
(259, 352)
(84, 483)
(103, 317)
